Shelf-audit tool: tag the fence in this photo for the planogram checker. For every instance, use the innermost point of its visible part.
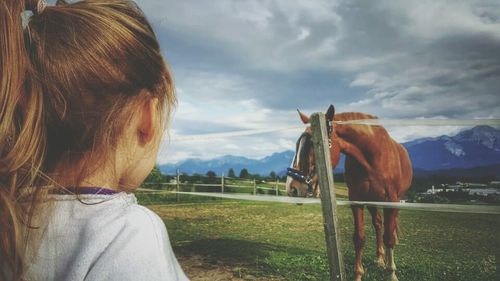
(223, 184)
(328, 198)
(381, 122)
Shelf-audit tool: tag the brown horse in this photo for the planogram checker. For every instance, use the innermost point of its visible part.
(377, 168)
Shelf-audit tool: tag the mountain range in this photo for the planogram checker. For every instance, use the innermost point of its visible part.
(277, 162)
(471, 148)
(479, 146)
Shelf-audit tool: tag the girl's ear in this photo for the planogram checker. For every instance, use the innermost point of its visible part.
(146, 126)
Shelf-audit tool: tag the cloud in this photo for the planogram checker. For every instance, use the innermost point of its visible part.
(364, 79)
(249, 64)
(433, 20)
(262, 34)
(207, 106)
(438, 59)
(254, 147)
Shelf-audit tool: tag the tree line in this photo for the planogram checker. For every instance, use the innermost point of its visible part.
(156, 176)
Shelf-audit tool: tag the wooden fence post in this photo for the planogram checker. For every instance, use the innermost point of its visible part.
(328, 200)
(177, 186)
(254, 187)
(277, 190)
(222, 183)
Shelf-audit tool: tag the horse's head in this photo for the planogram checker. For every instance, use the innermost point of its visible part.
(302, 180)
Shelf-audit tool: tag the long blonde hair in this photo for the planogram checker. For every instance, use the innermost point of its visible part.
(69, 82)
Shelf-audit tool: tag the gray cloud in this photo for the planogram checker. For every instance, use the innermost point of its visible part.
(440, 59)
(390, 58)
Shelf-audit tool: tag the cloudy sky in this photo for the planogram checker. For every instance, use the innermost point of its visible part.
(241, 65)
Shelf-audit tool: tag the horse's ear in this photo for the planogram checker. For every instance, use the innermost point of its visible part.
(303, 117)
(330, 112)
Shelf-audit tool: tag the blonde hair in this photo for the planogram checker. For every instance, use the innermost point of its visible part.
(69, 82)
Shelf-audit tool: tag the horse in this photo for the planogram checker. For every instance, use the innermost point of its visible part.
(377, 168)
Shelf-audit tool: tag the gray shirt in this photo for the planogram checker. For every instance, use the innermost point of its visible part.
(107, 237)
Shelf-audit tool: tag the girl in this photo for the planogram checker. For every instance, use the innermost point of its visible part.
(84, 98)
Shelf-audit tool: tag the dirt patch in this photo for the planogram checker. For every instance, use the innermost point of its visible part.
(199, 268)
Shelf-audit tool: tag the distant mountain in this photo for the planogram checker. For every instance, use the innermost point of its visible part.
(277, 162)
(479, 146)
(472, 148)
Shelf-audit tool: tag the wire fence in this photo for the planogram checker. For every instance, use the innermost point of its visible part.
(447, 208)
(328, 198)
(223, 186)
(279, 195)
(370, 122)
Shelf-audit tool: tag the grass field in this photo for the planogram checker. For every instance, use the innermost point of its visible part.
(286, 242)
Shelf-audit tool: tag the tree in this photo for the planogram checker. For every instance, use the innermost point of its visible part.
(212, 177)
(211, 174)
(231, 173)
(244, 174)
(272, 175)
(154, 177)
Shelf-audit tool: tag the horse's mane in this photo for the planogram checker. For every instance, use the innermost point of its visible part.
(352, 130)
(344, 116)
(304, 152)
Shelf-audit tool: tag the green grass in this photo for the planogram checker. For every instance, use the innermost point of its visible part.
(287, 241)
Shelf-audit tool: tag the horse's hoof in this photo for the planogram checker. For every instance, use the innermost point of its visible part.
(392, 277)
(358, 275)
(380, 262)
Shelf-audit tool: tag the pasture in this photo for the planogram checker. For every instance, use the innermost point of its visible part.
(245, 240)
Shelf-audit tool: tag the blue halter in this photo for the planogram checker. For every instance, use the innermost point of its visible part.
(298, 176)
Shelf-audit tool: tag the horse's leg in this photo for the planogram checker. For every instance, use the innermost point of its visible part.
(359, 241)
(377, 225)
(390, 216)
